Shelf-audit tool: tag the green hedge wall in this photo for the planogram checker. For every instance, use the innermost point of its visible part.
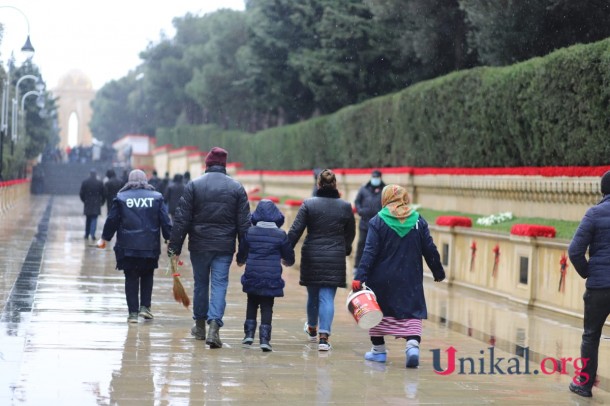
(545, 111)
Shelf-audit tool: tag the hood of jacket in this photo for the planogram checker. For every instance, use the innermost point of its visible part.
(267, 211)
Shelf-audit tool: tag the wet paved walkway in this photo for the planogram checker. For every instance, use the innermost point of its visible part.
(64, 339)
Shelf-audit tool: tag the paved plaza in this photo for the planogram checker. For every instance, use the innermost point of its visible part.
(64, 339)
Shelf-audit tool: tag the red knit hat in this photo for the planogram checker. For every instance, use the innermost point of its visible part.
(216, 156)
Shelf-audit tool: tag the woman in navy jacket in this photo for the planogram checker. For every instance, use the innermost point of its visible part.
(392, 267)
(266, 247)
(593, 234)
(138, 215)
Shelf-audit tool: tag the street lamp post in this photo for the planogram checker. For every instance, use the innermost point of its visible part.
(28, 50)
(39, 87)
(20, 116)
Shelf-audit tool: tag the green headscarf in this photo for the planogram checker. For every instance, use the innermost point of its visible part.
(396, 212)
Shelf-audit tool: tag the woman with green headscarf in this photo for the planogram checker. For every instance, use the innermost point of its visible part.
(392, 267)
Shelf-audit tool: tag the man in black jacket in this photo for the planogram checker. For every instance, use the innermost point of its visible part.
(368, 203)
(213, 211)
(92, 195)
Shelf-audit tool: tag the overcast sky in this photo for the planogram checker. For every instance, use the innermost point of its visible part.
(102, 38)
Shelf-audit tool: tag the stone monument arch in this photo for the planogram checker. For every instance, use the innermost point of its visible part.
(75, 93)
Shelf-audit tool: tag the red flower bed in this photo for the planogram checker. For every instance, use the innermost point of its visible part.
(13, 182)
(453, 221)
(254, 198)
(274, 199)
(533, 230)
(293, 203)
(547, 171)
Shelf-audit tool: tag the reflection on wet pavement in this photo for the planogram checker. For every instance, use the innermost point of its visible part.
(75, 348)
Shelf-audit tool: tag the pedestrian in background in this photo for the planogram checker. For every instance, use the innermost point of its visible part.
(593, 235)
(92, 195)
(266, 248)
(154, 180)
(138, 216)
(111, 187)
(368, 204)
(392, 266)
(214, 212)
(163, 185)
(331, 229)
(173, 194)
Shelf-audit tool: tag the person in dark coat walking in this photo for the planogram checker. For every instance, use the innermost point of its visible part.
(593, 234)
(92, 195)
(164, 184)
(214, 212)
(154, 181)
(111, 187)
(392, 267)
(138, 216)
(173, 194)
(331, 229)
(368, 203)
(266, 248)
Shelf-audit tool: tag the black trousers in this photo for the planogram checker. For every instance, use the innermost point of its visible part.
(360, 248)
(597, 309)
(266, 305)
(138, 288)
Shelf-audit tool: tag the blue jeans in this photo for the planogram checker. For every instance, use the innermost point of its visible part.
(210, 267)
(90, 226)
(321, 307)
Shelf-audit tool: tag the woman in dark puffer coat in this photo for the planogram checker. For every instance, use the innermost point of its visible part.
(266, 248)
(331, 228)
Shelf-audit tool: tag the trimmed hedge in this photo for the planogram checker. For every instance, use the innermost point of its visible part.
(545, 111)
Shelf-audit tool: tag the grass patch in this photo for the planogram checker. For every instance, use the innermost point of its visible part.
(565, 229)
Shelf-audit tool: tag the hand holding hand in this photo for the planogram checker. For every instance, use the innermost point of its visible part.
(356, 285)
(240, 264)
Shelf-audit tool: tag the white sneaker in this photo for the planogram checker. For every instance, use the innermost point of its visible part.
(312, 333)
(324, 345)
(145, 313)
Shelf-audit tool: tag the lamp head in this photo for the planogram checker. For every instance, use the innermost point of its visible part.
(27, 48)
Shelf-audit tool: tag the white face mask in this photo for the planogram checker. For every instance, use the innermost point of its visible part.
(375, 181)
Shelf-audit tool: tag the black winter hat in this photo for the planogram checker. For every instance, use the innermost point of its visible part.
(605, 183)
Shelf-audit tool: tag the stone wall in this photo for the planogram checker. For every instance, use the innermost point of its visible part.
(563, 198)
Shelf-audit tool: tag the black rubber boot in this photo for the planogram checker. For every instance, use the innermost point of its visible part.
(198, 330)
(213, 339)
(265, 337)
(249, 330)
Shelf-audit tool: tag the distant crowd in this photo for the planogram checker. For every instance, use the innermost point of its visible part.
(79, 153)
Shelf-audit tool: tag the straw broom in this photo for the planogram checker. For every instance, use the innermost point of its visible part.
(178, 289)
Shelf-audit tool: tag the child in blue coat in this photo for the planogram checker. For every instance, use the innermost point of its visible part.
(264, 249)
